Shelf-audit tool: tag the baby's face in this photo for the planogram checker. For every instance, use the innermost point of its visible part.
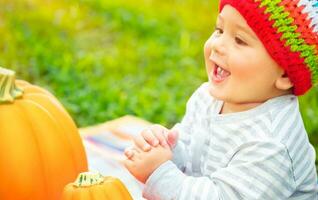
(238, 66)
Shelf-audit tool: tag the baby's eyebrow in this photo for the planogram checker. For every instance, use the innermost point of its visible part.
(245, 30)
(240, 27)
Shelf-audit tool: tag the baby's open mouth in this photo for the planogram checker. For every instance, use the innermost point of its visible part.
(220, 74)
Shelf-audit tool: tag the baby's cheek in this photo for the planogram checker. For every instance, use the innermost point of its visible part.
(242, 70)
(207, 48)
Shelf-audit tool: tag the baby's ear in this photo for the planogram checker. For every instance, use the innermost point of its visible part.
(283, 82)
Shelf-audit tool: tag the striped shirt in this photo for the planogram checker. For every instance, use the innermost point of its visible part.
(262, 153)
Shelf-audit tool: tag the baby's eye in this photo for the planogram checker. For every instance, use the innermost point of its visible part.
(218, 30)
(239, 41)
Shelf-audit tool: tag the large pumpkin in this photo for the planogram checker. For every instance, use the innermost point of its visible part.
(93, 186)
(40, 147)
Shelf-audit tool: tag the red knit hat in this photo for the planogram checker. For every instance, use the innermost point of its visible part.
(289, 31)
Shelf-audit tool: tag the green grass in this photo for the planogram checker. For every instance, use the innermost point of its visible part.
(106, 59)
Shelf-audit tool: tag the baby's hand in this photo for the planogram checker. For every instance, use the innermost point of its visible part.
(153, 136)
(142, 164)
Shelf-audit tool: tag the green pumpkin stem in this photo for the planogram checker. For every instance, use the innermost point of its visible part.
(86, 179)
(8, 90)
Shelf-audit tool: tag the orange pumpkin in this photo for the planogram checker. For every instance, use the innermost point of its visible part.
(40, 147)
(92, 186)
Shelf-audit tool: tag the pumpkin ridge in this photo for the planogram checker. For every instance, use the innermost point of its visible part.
(67, 194)
(52, 171)
(14, 170)
(21, 83)
(123, 190)
(106, 193)
(73, 138)
(40, 157)
(91, 193)
(33, 89)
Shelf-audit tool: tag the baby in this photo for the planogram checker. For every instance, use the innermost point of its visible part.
(242, 136)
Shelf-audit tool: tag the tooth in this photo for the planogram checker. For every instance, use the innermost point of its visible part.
(219, 70)
(223, 72)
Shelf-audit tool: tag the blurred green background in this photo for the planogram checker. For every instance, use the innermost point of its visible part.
(107, 58)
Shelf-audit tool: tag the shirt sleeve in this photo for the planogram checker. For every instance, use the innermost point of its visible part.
(182, 151)
(258, 170)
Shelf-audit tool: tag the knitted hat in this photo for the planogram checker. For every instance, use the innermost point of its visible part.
(289, 31)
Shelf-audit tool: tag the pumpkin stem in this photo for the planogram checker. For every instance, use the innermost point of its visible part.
(86, 179)
(8, 89)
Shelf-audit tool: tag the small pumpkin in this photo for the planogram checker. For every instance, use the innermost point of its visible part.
(91, 186)
(40, 147)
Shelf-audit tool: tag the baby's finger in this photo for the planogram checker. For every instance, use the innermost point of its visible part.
(160, 133)
(141, 143)
(150, 137)
(161, 137)
(172, 138)
(128, 153)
